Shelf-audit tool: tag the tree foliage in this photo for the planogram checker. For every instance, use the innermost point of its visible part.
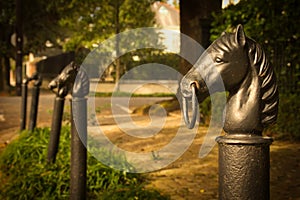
(90, 22)
(40, 23)
(71, 23)
(274, 25)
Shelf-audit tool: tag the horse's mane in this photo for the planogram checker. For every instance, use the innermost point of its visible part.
(269, 92)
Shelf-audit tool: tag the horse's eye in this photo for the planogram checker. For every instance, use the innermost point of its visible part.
(218, 60)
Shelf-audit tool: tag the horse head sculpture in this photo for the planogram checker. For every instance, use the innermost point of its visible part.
(71, 79)
(63, 82)
(242, 64)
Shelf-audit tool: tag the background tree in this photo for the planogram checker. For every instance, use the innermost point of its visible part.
(39, 19)
(90, 22)
(195, 20)
(6, 26)
(69, 24)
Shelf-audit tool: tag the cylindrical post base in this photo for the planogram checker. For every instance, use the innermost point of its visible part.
(78, 148)
(34, 107)
(23, 107)
(244, 165)
(55, 128)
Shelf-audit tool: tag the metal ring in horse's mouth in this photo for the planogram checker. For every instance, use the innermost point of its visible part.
(190, 124)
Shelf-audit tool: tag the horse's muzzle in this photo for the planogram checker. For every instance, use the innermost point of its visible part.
(186, 87)
(52, 85)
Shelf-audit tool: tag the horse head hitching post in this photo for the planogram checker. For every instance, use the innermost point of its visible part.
(75, 81)
(252, 104)
(24, 92)
(34, 101)
(61, 86)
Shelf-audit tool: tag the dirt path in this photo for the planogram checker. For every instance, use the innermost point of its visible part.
(190, 177)
(193, 178)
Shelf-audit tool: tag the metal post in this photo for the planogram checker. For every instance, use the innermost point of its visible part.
(19, 46)
(61, 86)
(64, 83)
(55, 128)
(252, 104)
(34, 103)
(244, 167)
(24, 104)
(78, 149)
(79, 136)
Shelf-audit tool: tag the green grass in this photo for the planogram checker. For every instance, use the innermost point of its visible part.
(25, 173)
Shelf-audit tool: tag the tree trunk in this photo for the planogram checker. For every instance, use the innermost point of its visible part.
(1, 74)
(4, 77)
(7, 71)
(195, 20)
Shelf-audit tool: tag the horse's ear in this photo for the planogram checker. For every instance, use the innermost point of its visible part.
(240, 36)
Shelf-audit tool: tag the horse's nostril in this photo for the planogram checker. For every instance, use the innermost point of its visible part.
(52, 85)
(184, 89)
(194, 84)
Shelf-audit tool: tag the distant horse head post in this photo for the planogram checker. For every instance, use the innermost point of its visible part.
(61, 85)
(34, 101)
(252, 104)
(74, 81)
(24, 93)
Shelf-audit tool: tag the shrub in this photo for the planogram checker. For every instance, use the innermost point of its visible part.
(287, 126)
(206, 109)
